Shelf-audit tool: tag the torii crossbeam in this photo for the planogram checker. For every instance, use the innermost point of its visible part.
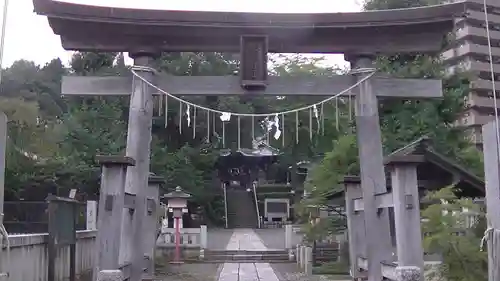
(361, 36)
(230, 86)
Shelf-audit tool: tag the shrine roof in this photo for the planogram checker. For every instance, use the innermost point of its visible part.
(426, 154)
(265, 151)
(85, 27)
(423, 146)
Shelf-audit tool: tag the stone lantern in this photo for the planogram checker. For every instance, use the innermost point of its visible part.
(177, 205)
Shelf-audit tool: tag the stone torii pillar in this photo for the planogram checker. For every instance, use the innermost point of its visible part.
(373, 181)
(111, 208)
(151, 221)
(355, 225)
(377, 226)
(3, 149)
(492, 180)
(406, 205)
(139, 148)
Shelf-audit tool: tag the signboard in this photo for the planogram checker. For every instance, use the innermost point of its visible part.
(62, 232)
(62, 220)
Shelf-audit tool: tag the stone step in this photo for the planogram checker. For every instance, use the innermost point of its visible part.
(247, 252)
(247, 256)
(240, 261)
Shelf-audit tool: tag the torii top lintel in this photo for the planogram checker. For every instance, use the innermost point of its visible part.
(95, 28)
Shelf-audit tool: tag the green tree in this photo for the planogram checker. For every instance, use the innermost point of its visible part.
(403, 121)
(397, 4)
(449, 233)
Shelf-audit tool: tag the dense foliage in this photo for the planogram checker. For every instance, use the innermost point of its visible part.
(53, 139)
(403, 121)
(454, 230)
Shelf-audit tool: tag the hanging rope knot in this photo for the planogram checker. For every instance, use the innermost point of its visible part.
(142, 68)
(487, 236)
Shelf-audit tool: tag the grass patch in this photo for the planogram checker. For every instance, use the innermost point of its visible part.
(332, 268)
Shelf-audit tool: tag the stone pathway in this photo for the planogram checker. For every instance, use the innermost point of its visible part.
(273, 238)
(240, 239)
(247, 272)
(246, 239)
(218, 238)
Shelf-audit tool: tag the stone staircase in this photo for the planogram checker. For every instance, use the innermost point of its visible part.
(241, 212)
(247, 256)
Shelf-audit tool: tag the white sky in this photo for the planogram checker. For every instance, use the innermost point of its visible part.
(29, 36)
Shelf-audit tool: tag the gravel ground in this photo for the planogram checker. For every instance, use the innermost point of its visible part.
(188, 272)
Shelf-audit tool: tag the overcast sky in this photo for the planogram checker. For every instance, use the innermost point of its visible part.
(29, 36)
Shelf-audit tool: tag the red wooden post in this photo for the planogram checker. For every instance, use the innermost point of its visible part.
(177, 257)
(177, 202)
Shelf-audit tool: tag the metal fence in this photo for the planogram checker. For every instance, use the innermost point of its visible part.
(32, 217)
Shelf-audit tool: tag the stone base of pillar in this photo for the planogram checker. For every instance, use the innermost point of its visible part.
(408, 273)
(110, 275)
(291, 256)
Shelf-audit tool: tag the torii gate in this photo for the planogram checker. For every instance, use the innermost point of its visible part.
(361, 36)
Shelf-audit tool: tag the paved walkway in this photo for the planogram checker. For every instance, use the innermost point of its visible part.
(218, 238)
(239, 239)
(273, 238)
(246, 239)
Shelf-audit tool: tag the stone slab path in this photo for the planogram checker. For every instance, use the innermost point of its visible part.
(246, 239)
(273, 238)
(218, 238)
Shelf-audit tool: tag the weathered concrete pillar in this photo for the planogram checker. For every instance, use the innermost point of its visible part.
(308, 265)
(151, 223)
(139, 147)
(492, 180)
(407, 213)
(203, 236)
(297, 255)
(111, 204)
(110, 275)
(288, 236)
(203, 240)
(288, 241)
(378, 243)
(302, 257)
(3, 147)
(355, 224)
(91, 215)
